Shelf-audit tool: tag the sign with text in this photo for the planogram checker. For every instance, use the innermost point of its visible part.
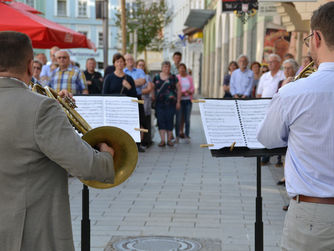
(232, 5)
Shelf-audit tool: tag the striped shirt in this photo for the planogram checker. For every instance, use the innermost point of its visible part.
(72, 79)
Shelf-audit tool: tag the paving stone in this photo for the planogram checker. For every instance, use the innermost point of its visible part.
(184, 191)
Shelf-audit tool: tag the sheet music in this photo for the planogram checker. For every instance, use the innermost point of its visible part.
(252, 112)
(120, 112)
(221, 123)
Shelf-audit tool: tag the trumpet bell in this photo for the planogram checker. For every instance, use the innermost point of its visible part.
(125, 157)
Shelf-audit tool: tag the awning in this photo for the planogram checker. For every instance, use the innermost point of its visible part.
(198, 18)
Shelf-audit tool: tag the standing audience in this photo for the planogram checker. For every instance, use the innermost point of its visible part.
(94, 79)
(256, 69)
(177, 57)
(183, 114)
(167, 95)
(50, 66)
(139, 77)
(66, 76)
(146, 90)
(241, 82)
(232, 66)
(118, 82)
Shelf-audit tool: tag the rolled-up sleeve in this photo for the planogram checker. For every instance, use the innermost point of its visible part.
(274, 130)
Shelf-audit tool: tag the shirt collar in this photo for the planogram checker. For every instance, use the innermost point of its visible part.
(133, 69)
(326, 66)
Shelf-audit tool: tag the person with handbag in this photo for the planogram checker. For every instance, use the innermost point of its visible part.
(167, 98)
(118, 82)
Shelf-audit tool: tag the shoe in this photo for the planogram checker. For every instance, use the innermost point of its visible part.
(141, 149)
(264, 163)
(182, 135)
(187, 140)
(170, 143)
(285, 208)
(162, 144)
(281, 183)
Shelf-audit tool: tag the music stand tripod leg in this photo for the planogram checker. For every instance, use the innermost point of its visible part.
(85, 221)
(258, 208)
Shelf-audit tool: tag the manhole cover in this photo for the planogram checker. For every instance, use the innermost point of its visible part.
(156, 243)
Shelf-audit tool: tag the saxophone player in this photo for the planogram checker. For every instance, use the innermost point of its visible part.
(38, 146)
(301, 116)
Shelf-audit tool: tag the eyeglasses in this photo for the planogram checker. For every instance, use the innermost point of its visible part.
(37, 68)
(64, 57)
(307, 39)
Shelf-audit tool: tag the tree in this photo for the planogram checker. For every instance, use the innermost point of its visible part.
(149, 21)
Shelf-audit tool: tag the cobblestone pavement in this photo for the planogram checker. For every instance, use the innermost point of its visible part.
(183, 191)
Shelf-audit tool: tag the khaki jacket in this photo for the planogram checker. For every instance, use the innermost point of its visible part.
(38, 146)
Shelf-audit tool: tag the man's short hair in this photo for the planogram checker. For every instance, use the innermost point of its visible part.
(273, 55)
(323, 20)
(242, 56)
(88, 59)
(60, 51)
(177, 53)
(15, 52)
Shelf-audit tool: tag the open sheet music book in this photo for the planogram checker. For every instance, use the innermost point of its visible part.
(116, 111)
(228, 121)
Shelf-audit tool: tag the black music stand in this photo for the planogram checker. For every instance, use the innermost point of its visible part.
(85, 221)
(246, 152)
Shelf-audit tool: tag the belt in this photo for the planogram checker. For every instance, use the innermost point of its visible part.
(310, 199)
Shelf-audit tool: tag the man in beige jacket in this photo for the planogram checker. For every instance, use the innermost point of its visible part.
(38, 146)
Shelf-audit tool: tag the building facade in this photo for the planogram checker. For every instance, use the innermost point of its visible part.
(79, 15)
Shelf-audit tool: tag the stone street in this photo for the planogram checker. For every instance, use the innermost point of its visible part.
(182, 191)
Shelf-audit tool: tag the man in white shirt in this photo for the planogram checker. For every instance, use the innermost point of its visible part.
(241, 82)
(301, 116)
(268, 84)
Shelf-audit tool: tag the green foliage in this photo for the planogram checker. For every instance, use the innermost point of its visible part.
(149, 20)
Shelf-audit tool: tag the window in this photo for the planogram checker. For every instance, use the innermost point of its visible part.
(61, 8)
(31, 3)
(100, 42)
(82, 8)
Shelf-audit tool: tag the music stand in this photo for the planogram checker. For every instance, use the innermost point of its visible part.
(246, 152)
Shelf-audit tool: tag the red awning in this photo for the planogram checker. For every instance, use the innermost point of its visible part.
(25, 7)
(43, 33)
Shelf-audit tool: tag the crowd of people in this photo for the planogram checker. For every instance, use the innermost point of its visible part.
(168, 92)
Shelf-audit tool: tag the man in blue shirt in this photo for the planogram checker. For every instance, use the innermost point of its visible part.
(301, 116)
(241, 82)
(139, 77)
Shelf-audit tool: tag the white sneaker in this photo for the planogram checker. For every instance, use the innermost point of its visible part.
(187, 140)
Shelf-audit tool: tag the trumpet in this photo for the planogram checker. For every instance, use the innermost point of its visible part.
(126, 152)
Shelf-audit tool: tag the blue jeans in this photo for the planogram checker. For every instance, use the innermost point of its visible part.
(184, 111)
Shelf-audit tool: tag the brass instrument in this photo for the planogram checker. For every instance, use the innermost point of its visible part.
(307, 71)
(126, 152)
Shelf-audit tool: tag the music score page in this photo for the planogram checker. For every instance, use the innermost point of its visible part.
(228, 121)
(120, 112)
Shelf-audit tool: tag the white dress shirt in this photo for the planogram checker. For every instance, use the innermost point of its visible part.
(241, 82)
(301, 116)
(268, 84)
